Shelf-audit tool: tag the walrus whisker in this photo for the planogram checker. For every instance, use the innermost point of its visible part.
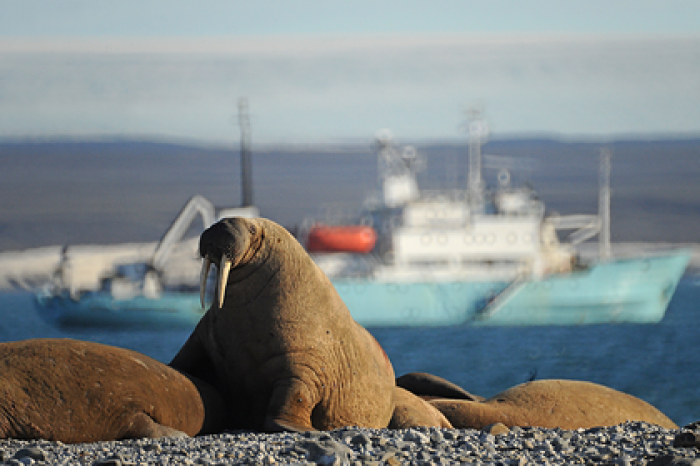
(206, 266)
(224, 269)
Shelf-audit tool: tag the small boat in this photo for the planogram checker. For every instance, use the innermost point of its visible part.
(345, 238)
(139, 294)
(169, 309)
(136, 294)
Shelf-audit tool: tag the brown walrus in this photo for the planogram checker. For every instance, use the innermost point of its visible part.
(75, 391)
(413, 411)
(566, 404)
(429, 386)
(278, 342)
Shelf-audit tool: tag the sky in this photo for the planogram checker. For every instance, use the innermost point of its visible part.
(318, 71)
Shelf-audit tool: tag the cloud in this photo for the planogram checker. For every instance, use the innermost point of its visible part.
(339, 87)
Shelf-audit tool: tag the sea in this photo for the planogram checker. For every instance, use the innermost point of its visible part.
(656, 362)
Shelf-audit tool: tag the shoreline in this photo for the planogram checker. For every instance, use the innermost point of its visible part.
(632, 443)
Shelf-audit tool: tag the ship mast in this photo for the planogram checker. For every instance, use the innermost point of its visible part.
(246, 166)
(478, 132)
(604, 205)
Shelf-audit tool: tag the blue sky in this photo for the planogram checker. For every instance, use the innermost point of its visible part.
(330, 70)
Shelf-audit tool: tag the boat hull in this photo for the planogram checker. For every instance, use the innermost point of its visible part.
(170, 310)
(616, 291)
(625, 290)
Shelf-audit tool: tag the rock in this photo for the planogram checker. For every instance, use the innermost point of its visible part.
(671, 460)
(496, 428)
(326, 452)
(360, 439)
(687, 440)
(37, 454)
(111, 461)
(415, 436)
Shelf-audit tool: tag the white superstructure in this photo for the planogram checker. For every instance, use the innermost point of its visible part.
(469, 234)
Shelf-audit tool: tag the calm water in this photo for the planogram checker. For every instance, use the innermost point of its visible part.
(658, 363)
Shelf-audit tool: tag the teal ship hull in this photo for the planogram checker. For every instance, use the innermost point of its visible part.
(99, 309)
(616, 291)
(624, 290)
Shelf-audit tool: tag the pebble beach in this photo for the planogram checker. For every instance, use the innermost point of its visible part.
(632, 443)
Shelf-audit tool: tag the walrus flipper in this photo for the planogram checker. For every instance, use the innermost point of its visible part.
(431, 386)
(193, 358)
(290, 408)
(142, 425)
(413, 411)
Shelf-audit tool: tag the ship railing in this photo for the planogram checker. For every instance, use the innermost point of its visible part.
(585, 226)
(449, 195)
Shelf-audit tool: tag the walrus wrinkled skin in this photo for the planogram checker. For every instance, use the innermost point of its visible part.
(429, 386)
(566, 404)
(74, 391)
(413, 411)
(278, 342)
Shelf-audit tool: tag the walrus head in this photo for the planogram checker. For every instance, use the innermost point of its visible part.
(227, 243)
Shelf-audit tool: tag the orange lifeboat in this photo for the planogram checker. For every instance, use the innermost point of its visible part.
(345, 238)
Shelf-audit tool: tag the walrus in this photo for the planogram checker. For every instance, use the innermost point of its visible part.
(278, 342)
(567, 404)
(429, 386)
(413, 411)
(76, 391)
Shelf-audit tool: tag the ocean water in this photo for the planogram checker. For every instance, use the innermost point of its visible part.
(658, 363)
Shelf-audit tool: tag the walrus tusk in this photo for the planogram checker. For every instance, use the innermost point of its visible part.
(206, 265)
(224, 269)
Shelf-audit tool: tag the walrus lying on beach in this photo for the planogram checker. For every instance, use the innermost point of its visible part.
(76, 391)
(413, 411)
(429, 386)
(278, 342)
(566, 404)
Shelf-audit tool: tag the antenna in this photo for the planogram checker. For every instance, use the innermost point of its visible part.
(604, 204)
(246, 165)
(478, 133)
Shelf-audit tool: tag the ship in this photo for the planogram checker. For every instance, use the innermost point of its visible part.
(412, 257)
(482, 256)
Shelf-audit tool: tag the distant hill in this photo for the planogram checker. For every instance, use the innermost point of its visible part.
(80, 192)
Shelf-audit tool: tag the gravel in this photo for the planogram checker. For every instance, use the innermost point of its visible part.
(632, 443)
